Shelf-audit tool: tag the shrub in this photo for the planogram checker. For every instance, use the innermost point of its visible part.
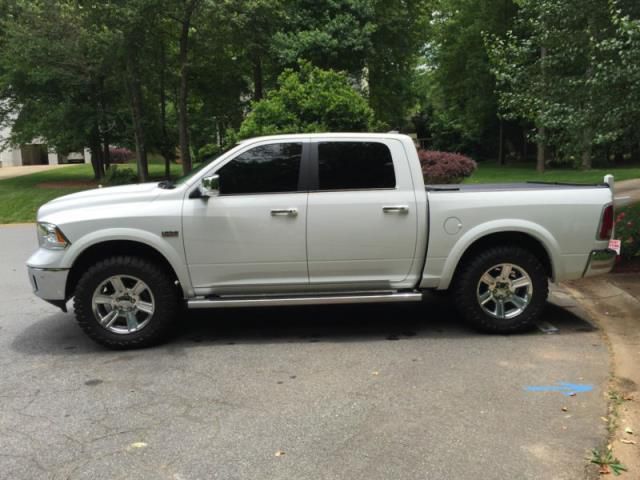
(208, 151)
(628, 231)
(444, 167)
(120, 155)
(309, 100)
(120, 176)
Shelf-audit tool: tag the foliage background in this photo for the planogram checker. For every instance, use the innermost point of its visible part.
(555, 81)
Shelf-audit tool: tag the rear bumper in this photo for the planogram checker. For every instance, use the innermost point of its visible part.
(49, 283)
(600, 262)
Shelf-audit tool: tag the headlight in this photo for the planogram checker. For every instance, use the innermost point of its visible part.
(50, 236)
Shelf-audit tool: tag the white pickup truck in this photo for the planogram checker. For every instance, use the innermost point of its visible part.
(314, 219)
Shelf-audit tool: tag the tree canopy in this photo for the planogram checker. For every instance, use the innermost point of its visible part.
(489, 78)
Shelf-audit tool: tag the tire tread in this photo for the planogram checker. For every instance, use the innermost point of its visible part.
(466, 283)
(163, 290)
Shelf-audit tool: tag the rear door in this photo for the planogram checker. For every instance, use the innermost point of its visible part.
(361, 217)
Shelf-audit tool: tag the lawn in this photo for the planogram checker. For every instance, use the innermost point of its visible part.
(21, 197)
(491, 172)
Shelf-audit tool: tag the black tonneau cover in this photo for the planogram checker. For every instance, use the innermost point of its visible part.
(496, 187)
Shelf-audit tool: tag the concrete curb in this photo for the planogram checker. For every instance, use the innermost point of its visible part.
(617, 312)
(9, 225)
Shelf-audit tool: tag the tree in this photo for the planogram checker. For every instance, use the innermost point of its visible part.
(309, 100)
(56, 81)
(455, 87)
(254, 24)
(616, 81)
(546, 68)
(331, 34)
(399, 34)
(187, 11)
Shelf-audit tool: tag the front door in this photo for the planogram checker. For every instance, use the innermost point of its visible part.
(252, 237)
(362, 219)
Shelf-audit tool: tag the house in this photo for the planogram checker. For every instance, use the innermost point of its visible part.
(35, 153)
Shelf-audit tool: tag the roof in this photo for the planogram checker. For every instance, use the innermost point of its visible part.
(305, 136)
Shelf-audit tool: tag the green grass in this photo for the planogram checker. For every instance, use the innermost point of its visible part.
(20, 197)
(491, 172)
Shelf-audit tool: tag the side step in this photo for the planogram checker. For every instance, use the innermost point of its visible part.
(267, 301)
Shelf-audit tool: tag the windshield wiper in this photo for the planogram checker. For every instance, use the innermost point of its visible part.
(167, 184)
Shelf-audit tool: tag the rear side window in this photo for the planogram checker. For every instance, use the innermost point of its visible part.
(355, 165)
(271, 168)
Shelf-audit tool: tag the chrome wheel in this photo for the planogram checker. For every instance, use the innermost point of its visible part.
(123, 304)
(504, 291)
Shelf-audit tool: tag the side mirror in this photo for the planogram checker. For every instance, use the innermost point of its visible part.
(210, 186)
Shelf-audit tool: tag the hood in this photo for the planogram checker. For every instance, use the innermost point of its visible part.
(144, 192)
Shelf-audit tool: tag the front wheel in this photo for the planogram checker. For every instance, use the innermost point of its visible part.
(126, 302)
(502, 290)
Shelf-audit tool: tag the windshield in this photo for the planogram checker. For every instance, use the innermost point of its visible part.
(206, 161)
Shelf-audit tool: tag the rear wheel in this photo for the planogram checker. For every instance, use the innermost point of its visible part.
(502, 290)
(126, 302)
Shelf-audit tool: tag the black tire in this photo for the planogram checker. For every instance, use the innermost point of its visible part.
(465, 290)
(161, 285)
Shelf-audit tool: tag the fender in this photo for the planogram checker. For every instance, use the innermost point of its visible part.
(506, 225)
(166, 249)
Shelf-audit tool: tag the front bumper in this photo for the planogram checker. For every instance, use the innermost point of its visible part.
(600, 262)
(49, 284)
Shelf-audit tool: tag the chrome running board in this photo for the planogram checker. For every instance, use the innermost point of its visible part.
(333, 299)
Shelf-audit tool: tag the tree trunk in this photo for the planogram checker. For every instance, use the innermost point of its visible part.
(137, 114)
(183, 93)
(257, 77)
(96, 154)
(166, 144)
(106, 156)
(586, 159)
(586, 152)
(501, 143)
(635, 153)
(541, 158)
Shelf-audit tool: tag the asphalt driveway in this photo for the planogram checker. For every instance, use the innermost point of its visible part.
(368, 392)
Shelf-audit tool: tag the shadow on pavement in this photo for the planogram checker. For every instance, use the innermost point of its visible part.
(435, 317)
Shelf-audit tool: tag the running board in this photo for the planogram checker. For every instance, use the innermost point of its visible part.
(217, 302)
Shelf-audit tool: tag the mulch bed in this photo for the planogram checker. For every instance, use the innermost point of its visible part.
(627, 266)
(69, 184)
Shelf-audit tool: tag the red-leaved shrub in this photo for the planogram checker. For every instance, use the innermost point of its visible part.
(628, 231)
(445, 167)
(120, 155)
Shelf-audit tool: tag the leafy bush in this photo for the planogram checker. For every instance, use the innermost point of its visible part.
(444, 167)
(120, 176)
(210, 150)
(628, 231)
(309, 100)
(120, 155)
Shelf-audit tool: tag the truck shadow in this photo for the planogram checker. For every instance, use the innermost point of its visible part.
(433, 318)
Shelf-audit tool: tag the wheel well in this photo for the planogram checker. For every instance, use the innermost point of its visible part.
(103, 250)
(520, 239)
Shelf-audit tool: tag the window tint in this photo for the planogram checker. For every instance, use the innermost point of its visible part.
(265, 169)
(355, 165)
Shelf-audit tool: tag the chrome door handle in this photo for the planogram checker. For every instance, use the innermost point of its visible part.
(396, 209)
(290, 212)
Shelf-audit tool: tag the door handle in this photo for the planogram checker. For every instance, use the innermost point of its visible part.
(396, 209)
(280, 212)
